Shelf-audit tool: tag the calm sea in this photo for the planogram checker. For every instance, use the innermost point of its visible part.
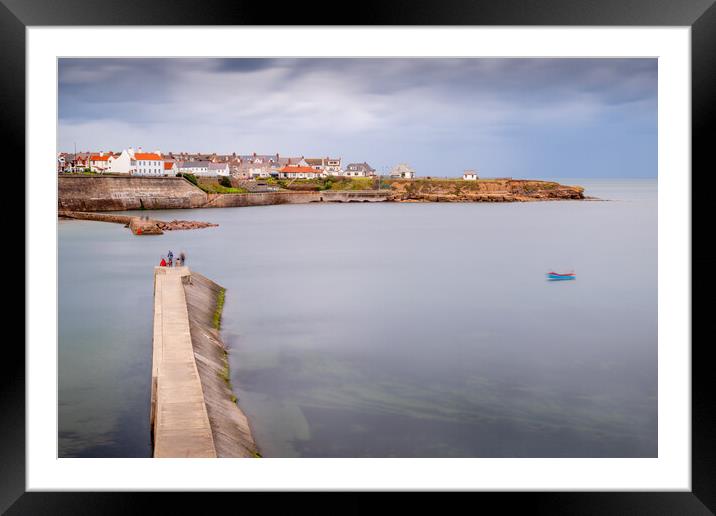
(386, 330)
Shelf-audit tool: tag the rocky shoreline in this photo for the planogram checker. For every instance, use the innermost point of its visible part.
(493, 190)
(90, 194)
(176, 225)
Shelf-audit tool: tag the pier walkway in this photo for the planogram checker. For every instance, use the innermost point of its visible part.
(179, 418)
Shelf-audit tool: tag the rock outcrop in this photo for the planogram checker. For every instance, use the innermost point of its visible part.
(182, 224)
(483, 190)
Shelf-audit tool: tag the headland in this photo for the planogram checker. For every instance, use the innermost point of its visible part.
(97, 193)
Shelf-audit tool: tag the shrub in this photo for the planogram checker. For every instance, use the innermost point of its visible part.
(189, 177)
(219, 189)
(225, 181)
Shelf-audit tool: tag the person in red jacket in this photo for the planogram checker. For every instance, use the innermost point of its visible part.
(163, 263)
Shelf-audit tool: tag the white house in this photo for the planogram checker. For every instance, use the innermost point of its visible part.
(61, 164)
(402, 171)
(122, 164)
(298, 172)
(197, 168)
(332, 166)
(170, 168)
(315, 163)
(147, 164)
(327, 166)
(470, 175)
(257, 171)
(218, 169)
(100, 162)
(359, 170)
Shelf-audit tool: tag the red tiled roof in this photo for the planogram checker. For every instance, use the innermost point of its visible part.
(168, 165)
(97, 157)
(299, 170)
(147, 156)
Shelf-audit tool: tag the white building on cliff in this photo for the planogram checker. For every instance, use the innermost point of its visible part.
(402, 171)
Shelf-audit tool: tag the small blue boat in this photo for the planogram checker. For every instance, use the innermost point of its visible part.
(555, 276)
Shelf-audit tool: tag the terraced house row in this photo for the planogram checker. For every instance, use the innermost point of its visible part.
(251, 166)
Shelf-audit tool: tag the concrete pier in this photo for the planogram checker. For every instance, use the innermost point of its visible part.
(193, 409)
(180, 421)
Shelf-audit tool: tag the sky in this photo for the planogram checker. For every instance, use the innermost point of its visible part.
(531, 118)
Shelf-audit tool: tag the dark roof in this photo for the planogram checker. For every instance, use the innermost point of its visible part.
(194, 164)
(360, 166)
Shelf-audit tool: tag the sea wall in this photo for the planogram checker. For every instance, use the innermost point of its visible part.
(193, 410)
(114, 193)
(295, 197)
(117, 193)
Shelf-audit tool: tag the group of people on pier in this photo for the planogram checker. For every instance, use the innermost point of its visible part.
(169, 261)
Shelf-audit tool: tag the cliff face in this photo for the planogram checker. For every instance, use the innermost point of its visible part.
(482, 190)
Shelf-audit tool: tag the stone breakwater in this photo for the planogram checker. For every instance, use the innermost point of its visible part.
(194, 412)
(485, 190)
(138, 225)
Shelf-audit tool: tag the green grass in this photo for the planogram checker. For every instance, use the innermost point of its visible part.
(330, 183)
(224, 373)
(219, 308)
(219, 189)
(85, 172)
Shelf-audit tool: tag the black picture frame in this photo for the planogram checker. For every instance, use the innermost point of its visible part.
(700, 15)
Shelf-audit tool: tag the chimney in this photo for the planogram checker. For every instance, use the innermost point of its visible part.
(139, 149)
(101, 153)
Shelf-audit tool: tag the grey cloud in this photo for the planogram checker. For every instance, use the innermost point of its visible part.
(335, 105)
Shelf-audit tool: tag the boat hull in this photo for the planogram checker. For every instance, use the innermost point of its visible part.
(561, 277)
